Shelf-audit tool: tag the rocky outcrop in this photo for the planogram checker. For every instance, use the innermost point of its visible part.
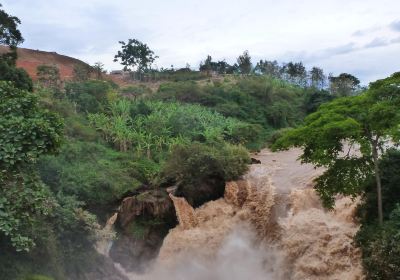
(203, 191)
(149, 204)
(143, 222)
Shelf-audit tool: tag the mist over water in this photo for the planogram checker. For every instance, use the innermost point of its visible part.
(237, 259)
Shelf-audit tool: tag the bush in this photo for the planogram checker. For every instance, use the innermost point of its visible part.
(381, 248)
(95, 174)
(90, 96)
(201, 170)
(18, 76)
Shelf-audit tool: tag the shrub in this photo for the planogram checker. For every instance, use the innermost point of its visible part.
(200, 170)
(95, 174)
(381, 248)
(90, 96)
(196, 162)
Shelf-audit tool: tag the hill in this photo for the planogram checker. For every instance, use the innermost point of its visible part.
(29, 60)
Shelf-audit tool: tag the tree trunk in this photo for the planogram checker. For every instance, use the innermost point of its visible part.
(378, 182)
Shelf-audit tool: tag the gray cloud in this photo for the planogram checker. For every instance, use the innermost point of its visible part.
(395, 40)
(366, 31)
(377, 42)
(395, 25)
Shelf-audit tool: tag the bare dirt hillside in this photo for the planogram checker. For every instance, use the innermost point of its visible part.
(30, 59)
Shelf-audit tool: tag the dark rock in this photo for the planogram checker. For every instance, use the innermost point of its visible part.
(201, 192)
(255, 161)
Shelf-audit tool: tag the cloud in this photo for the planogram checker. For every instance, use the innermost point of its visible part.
(366, 31)
(395, 25)
(395, 40)
(377, 42)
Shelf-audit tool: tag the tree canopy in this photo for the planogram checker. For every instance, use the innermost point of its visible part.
(244, 63)
(9, 34)
(26, 132)
(368, 123)
(135, 54)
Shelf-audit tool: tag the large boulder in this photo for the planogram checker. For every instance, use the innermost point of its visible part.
(143, 222)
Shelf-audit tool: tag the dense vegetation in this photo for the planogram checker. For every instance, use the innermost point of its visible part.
(70, 151)
(381, 244)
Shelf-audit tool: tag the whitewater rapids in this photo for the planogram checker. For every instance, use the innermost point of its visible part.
(269, 225)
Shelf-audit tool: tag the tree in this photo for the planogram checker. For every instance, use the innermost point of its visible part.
(269, 68)
(98, 69)
(343, 85)
(317, 77)
(135, 54)
(26, 132)
(206, 66)
(244, 63)
(9, 35)
(296, 73)
(369, 122)
(18, 76)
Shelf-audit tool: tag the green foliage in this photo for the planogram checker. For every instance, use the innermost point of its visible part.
(314, 99)
(344, 85)
(135, 54)
(381, 247)
(196, 162)
(90, 96)
(9, 35)
(18, 76)
(244, 63)
(258, 100)
(368, 121)
(151, 128)
(390, 166)
(26, 131)
(135, 90)
(24, 200)
(91, 172)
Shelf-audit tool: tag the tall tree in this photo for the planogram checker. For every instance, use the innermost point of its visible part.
(206, 66)
(135, 55)
(10, 35)
(244, 63)
(270, 68)
(26, 132)
(344, 85)
(317, 77)
(99, 70)
(296, 73)
(368, 122)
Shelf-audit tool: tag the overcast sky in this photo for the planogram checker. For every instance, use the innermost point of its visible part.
(361, 37)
